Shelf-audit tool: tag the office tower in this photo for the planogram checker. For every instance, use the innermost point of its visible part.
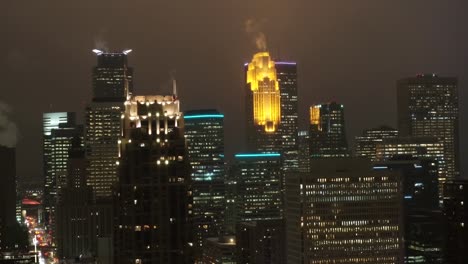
(428, 106)
(220, 250)
(204, 132)
(418, 147)
(259, 187)
(367, 142)
(327, 131)
(55, 127)
(259, 202)
(286, 73)
(80, 220)
(263, 106)
(112, 78)
(423, 220)
(304, 152)
(342, 211)
(261, 241)
(152, 199)
(7, 193)
(112, 84)
(456, 212)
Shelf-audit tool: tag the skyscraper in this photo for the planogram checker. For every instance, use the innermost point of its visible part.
(286, 73)
(418, 147)
(367, 142)
(152, 199)
(304, 152)
(423, 219)
(112, 84)
(344, 212)
(204, 131)
(428, 106)
(259, 187)
(327, 131)
(56, 129)
(263, 106)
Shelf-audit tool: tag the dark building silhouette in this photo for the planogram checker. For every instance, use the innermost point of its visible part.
(343, 211)
(428, 106)
(456, 212)
(367, 142)
(327, 131)
(261, 241)
(7, 192)
(152, 199)
(204, 132)
(424, 232)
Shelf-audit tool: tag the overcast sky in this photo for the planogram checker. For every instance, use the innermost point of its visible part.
(350, 51)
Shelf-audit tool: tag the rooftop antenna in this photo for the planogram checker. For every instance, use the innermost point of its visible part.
(174, 93)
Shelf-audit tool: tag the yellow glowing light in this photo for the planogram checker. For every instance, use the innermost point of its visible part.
(261, 75)
(315, 115)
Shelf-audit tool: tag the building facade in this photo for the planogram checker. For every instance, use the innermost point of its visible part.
(7, 193)
(204, 132)
(112, 85)
(327, 131)
(152, 199)
(428, 106)
(366, 143)
(342, 211)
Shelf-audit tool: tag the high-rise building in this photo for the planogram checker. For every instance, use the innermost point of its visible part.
(80, 221)
(418, 147)
(112, 78)
(263, 104)
(327, 131)
(286, 73)
(423, 219)
(342, 211)
(428, 106)
(204, 132)
(112, 84)
(58, 128)
(7, 192)
(259, 178)
(272, 108)
(304, 153)
(456, 212)
(220, 250)
(152, 200)
(367, 142)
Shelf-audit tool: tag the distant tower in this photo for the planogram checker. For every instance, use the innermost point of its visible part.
(112, 84)
(204, 131)
(327, 131)
(286, 73)
(58, 130)
(152, 198)
(428, 106)
(263, 107)
(366, 143)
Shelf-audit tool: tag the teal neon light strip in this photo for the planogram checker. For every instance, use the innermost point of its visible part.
(203, 116)
(257, 155)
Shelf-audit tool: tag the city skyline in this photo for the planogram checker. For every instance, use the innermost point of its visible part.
(328, 69)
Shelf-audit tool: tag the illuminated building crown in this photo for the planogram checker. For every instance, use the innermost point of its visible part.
(261, 75)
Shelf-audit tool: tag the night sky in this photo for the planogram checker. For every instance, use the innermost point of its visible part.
(350, 51)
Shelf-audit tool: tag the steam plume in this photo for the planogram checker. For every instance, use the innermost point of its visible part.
(8, 129)
(100, 43)
(254, 29)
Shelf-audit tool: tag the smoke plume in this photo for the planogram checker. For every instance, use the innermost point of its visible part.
(254, 29)
(8, 129)
(99, 41)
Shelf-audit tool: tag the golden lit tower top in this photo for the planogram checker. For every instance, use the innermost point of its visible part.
(261, 75)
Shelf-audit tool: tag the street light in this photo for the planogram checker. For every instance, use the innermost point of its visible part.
(35, 248)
